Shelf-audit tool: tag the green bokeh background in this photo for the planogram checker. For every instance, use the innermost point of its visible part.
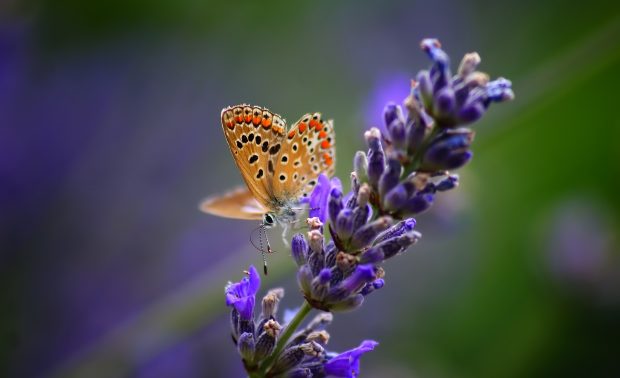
(479, 296)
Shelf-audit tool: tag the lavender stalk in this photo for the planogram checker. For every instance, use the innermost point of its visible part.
(340, 259)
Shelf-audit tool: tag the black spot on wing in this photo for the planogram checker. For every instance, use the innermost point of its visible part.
(274, 149)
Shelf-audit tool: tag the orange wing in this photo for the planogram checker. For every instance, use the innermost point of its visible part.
(307, 151)
(253, 135)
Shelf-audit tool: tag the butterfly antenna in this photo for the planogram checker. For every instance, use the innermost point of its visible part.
(252, 238)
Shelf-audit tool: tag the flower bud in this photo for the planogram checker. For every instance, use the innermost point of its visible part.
(468, 64)
(360, 165)
(372, 286)
(444, 105)
(348, 304)
(344, 224)
(392, 112)
(304, 278)
(270, 302)
(376, 156)
(267, 340)
(290, 357)
(448, 183)
(389, 178)
(320, 284)
(396, 230)
(245, 346)
(299, 249)
(426, 88)
(448, 151)
(418, 203)
(335, 204)
(395, 198)
(365, 234)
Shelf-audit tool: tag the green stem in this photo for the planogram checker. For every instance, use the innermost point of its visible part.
(285, 336)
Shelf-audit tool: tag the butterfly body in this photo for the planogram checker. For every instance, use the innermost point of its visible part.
(279, 165)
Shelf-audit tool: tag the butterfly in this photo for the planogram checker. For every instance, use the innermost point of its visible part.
(280, 166)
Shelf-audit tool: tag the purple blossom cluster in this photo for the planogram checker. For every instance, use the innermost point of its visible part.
(340, 258)
(409, 163)
(337, 275)
(303, 355)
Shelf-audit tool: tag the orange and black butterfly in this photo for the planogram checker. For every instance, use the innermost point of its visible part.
(279, 166)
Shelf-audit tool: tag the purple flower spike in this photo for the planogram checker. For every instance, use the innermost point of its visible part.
(242, 295)
(347, 364)
(406, 164)
(460, 99)
(319, 197)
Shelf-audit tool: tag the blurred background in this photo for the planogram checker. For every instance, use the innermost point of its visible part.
(110, 137)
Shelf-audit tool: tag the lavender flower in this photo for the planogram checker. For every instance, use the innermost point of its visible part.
(406, 166)
(318, 204)
(335, 276)
(347, 364)
(399, 175)
(460, 99)
(242, 295)
(301, 354)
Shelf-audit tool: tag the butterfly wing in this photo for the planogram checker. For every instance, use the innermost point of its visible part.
(254, 134)
(238, 203)
(307, 151)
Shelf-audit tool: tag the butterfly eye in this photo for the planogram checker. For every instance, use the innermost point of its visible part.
(268, 220)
